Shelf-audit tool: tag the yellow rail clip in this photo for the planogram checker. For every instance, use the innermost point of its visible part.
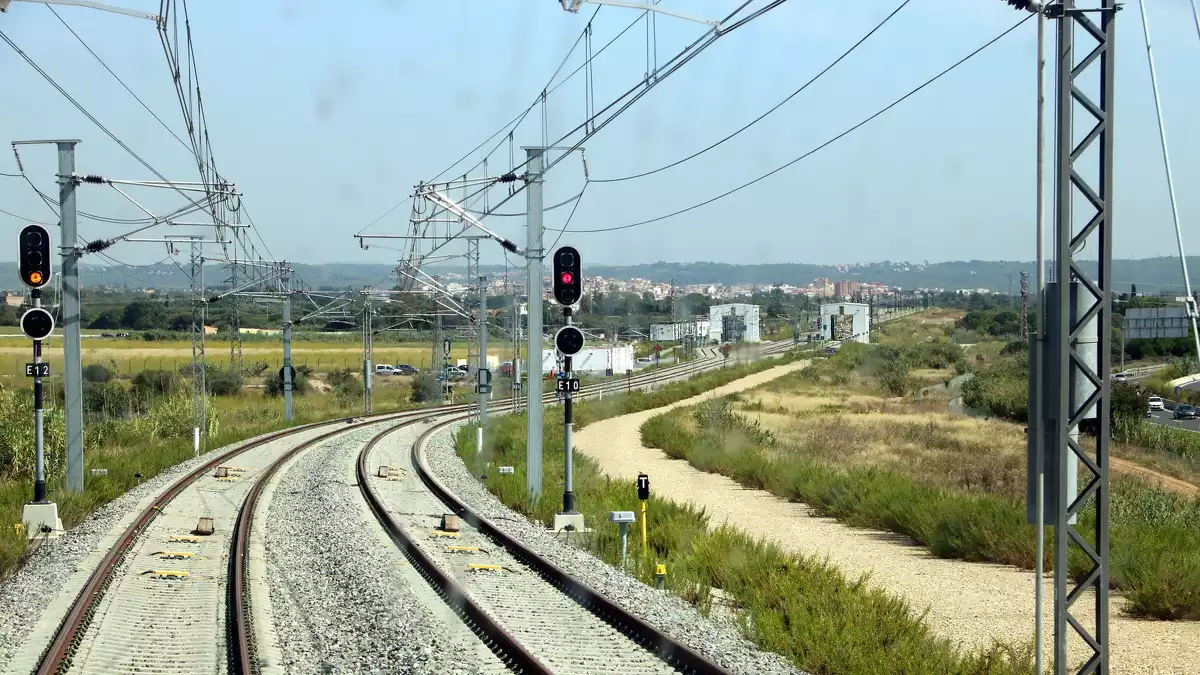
(439, 533)
(183, 537)
(166, 574)
(493, 568)
(464, 549)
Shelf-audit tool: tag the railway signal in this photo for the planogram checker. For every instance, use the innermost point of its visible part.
(33, 245)
(568, 341)
(643, 493)
(40, 516)
(568, 279)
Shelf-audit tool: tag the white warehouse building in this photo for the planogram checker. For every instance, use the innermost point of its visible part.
(675, 332)
(846, 321)
(737, 322)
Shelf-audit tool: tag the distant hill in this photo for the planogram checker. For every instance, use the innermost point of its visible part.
(1152, 275)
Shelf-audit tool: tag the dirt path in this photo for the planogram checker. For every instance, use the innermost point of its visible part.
(971, 603)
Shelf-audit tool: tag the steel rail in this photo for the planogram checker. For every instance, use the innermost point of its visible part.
(57, 655)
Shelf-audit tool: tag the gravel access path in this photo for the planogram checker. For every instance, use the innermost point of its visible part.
(719, 640)
(343, 599)
(971, 603)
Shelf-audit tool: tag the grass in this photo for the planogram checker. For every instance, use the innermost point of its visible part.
(158, 355)
(796, 606)
(951, 483)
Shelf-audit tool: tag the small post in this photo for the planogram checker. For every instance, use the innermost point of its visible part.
(624, 543)
(660, 575)
(287, 343)
(39, 475)
(483, 380)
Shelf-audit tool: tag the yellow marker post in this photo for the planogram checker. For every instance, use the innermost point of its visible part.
(643, 524)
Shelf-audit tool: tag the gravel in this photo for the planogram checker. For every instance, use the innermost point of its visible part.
(717, 638)
(27, 593)
(339, 602)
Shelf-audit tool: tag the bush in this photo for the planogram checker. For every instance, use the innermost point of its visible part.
(106, 398)
(893, 378)
(257, 369)
(425, 389)
(155, 383)
(223, 382)
(345, 383)
(94, 372)
(305, 370)
(273, 386)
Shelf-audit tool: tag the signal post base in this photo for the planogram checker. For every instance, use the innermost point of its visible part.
(41, 520)
(572, 522)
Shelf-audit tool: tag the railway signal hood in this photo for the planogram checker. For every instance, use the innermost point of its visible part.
(568, 280)
(34, 256)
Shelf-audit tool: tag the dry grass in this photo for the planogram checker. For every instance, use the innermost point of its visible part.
(916, 438)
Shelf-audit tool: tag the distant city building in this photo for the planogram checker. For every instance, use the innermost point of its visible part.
(737, 322)
(845, 289)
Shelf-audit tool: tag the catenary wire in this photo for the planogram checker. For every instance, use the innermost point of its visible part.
(637, 92)
(119, 80)
(567, 224)
(814, 150)
(769, 111)
(511, 126)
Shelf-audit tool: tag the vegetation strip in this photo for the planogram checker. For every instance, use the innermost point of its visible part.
(895, 466)
(793, 605)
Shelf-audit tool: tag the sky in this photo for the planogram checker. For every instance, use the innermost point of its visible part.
(326, 115)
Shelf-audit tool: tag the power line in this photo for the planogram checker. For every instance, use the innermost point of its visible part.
(118, 79)
(85, 111)
(771, 110)
(637, 92)
(515, 122)
(567, 224)
(816, 149)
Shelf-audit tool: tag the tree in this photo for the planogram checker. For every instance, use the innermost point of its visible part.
(107, 320)
(156, 382)
(94, 372)
(144, 315)
(180, 322)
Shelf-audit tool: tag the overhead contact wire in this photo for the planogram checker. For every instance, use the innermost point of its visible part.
(816, 149)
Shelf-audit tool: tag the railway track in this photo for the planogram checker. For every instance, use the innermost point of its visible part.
(162, 599)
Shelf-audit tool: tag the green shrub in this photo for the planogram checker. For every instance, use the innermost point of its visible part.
(94, 372)
(150, 383)
(345, 382)
(106, 398)
(425, 389)
(893, 378)
(223, 382)
(273, 385)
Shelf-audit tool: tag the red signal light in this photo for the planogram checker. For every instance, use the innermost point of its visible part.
(567, 277)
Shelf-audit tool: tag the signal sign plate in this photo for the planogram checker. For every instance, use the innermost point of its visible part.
(37, 369)
(37, 323)
(567, 384)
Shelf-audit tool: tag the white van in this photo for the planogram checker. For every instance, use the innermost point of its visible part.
(384, 369)
(1156, 403)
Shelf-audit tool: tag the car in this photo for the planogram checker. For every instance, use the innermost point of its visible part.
(384, 369)
(645, 359)
(1184, 411)
(1156, 403)
(1120, 377)
(405, 369)
(464, 368)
